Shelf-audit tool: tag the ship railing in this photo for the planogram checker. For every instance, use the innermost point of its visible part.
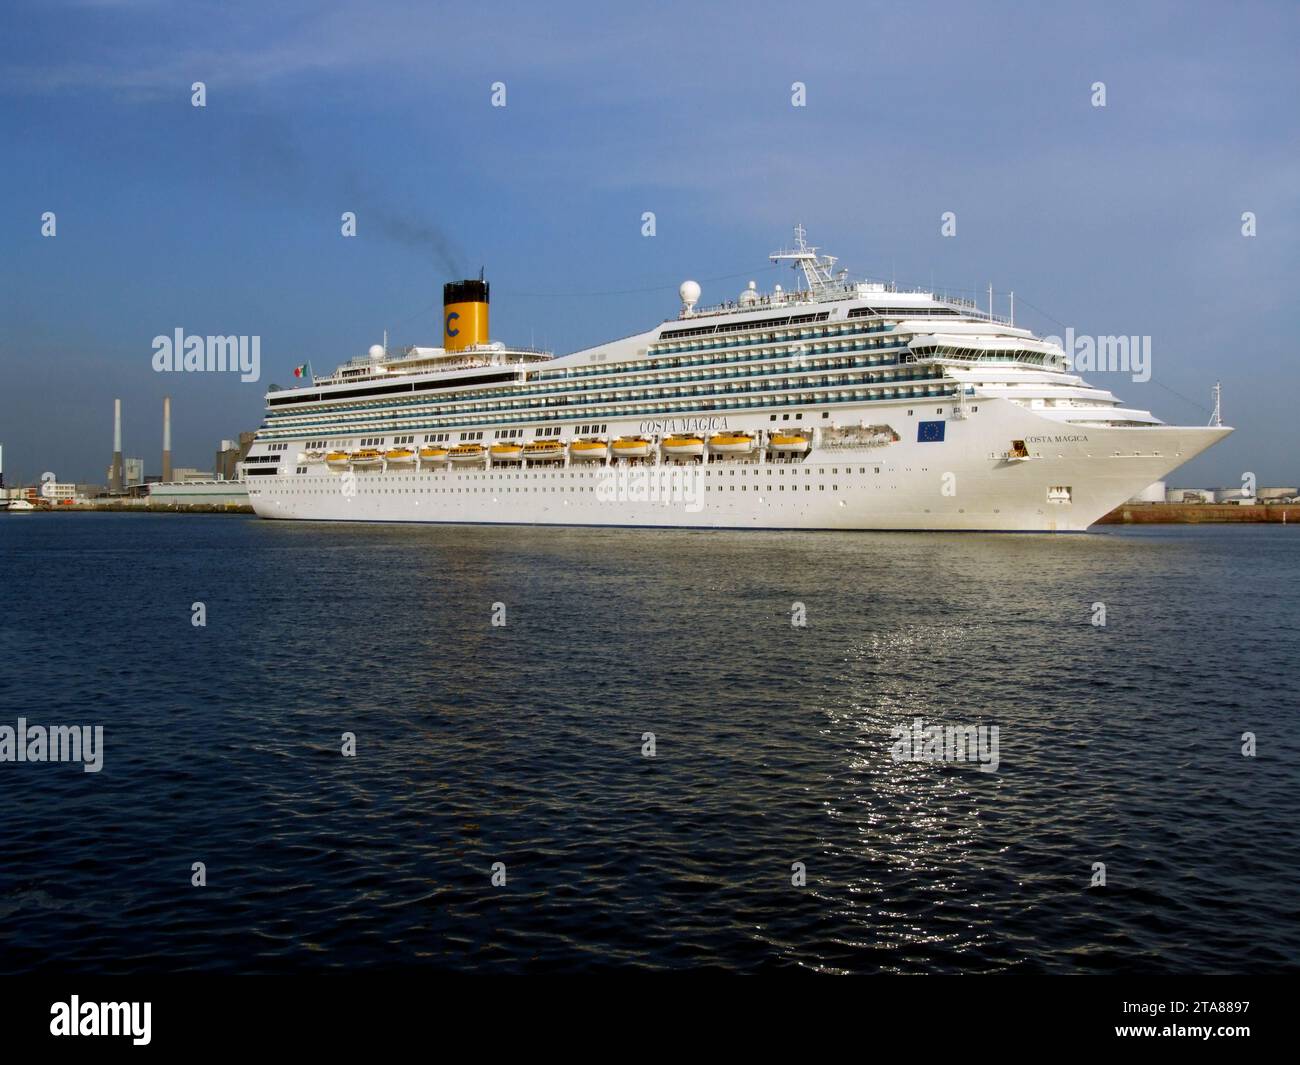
(838, 291)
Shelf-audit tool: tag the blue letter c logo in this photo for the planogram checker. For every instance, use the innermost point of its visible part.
(450, 331)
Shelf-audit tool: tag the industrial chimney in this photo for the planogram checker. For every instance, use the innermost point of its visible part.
(115, 477)
(167, 439)
(464, 314)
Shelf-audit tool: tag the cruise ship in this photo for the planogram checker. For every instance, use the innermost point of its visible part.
(836, 404)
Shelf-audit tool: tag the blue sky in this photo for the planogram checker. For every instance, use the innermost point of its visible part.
(225, 219)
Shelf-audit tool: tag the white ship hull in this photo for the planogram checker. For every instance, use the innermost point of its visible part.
(1074, 475)
(868, 407)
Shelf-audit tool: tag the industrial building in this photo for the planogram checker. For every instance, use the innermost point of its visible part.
(1278, 495)
(205, 493)
(1188, 495)
(231, 454)
(1160, 493)
(58, 493)
(132, 471)
(181, 474)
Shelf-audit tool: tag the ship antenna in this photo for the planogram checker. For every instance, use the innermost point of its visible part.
(1216, 419)
(817, 269)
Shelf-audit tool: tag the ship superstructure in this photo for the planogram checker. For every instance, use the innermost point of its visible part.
(838, 404)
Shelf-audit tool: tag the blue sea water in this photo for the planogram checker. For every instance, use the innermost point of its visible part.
(523, 744)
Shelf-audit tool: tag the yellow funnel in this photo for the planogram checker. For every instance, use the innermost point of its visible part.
(464, 314)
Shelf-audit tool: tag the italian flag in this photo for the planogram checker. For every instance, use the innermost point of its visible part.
(300, 371)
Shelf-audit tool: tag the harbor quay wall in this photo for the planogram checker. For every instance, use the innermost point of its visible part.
(1197, 513)
(140, 506)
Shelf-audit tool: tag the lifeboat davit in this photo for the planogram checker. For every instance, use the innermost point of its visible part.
(467, 453)
(631, 447)
(399, 456)
(366, 458)
(731, 443)
(507, 452)
(585, 450)
(338, 460)
(788, 443)
(544, 449)
(684, 446)
(433, 454)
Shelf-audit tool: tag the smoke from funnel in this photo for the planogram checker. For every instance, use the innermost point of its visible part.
(417, 234)
(271, 162)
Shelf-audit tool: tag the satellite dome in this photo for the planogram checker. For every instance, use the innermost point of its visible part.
(690, 294)
(750, 295)
(377, 351)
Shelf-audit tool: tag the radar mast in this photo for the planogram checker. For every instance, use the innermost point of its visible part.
(817, 269)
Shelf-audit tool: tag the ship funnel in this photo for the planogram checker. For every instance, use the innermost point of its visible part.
(464, 314)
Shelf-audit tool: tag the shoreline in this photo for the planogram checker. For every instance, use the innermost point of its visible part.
(117, 507)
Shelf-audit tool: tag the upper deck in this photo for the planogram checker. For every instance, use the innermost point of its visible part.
(827, 315)
(382, 363)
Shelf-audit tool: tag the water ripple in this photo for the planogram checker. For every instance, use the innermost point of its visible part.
(523, 745)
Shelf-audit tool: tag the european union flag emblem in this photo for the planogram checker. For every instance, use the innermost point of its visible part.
(927, 432)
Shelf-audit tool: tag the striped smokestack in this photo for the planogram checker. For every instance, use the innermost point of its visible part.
(115, 477)
(167, 439)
